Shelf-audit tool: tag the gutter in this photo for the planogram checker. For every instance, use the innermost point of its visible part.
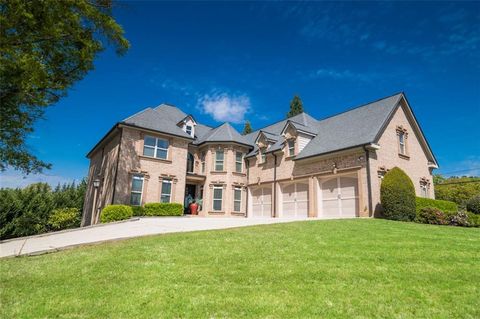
(247, 165)
(116, 169)
(369, 183)
(275, 186)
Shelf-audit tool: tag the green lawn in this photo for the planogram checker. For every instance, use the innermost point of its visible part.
(323, 269)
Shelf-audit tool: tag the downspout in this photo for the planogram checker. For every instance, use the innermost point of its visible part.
(369, 183)
(275, 186)
(116, 170)
(247, 164)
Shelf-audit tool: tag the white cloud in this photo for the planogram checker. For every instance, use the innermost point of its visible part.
(225, 108)
(14, 179)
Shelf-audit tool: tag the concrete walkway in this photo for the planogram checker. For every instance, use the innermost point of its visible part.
(39, 244)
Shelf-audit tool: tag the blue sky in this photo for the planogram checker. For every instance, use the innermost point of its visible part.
(230, 61)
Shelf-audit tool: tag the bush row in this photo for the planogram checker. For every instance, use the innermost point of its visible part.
(121, 212)
(435, 216)
(443, 205)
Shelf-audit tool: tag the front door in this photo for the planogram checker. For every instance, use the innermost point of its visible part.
(190, 192)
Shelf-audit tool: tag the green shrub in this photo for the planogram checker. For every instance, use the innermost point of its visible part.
(113, 213)
(163, 209)
(473, 204)
(138, 211)
(473, 219)
(459, 219)
(64, 218)
(397, 196)
(443, 205)
(431, 215)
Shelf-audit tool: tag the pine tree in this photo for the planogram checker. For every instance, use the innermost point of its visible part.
(296, 106)
(247, 129)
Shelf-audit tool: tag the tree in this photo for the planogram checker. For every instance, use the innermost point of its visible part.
(46, 46)
(247, 129)
(296, 106)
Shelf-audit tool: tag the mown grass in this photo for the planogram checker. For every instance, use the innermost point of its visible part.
(316, 269)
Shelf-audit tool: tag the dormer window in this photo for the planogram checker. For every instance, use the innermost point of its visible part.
(291, 147)
(263, 156)
(189, 129)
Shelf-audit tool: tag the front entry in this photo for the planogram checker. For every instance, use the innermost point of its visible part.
(190, 192)
(339, 197)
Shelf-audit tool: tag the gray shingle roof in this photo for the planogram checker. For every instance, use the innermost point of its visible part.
(222, 133)
(352, 128)
(162, 119)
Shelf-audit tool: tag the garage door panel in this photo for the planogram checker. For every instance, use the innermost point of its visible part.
(302, 209)
(339, 197)
(348, 187)
(349, 207)
(302, 192)
(330, 189)
(288, 209)
(261, 201)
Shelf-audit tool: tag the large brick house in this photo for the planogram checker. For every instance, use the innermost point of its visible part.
(298, 167)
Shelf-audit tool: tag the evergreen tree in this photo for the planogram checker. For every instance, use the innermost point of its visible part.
(247, 129)
(296, 106)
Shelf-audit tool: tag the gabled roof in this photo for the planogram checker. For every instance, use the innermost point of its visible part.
(222, 133)
(300, 127)
(356, 127)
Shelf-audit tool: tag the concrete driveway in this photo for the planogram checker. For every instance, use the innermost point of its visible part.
(137, 227)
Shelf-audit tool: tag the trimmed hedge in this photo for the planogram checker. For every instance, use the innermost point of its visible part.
(473, 205)
(163, 209)
(443, 205)
(431, 215)
(138, 211)
(397, 196)
(113, 213)
(64, 218)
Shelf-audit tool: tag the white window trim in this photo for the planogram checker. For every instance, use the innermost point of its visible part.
(263, 156)
(189, 131)
(237, 161)
(142, 178)
(291, 148)
(218, 161)
(235, 189)
(167, 181)
(156, 147)
(217, 199)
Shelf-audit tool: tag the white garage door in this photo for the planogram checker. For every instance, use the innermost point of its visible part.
(295, 200)
(339, 197)
(261, 202)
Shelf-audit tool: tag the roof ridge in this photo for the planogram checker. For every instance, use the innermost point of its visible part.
(257, 130)
(360, 106)
(139, 112)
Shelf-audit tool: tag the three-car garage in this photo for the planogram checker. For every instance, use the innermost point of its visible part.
(334, 197)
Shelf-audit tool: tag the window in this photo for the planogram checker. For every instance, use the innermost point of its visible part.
(190, 163)
(237, 199)
(402, 140)
(217, 197)
(238, 162)
(202, 159)
(188, 129)
(424, 187)
(136, 191)
(166, 192)
(155, 147)
(263, 156)
(219, 155)
(291, 147)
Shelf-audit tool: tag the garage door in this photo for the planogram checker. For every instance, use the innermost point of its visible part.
(261, 202)
(339, 197)
(295, 200)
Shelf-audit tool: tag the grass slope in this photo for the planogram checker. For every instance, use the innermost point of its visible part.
(328, 269)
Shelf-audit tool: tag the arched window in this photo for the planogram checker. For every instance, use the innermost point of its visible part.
(190, 161)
